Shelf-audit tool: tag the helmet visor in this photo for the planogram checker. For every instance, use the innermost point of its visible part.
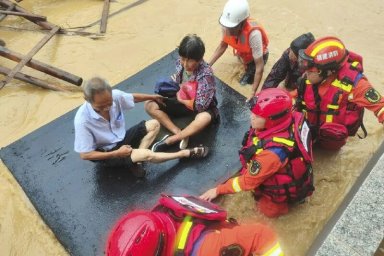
(305, 62)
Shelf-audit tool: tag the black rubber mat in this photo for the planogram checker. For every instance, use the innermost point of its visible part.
(81, 201)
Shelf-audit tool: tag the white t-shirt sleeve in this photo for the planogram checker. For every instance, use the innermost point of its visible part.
(126, 100)
(256, 44)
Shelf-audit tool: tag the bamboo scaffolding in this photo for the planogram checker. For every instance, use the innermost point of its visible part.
(104, 18)
(32, 80)
(40, 66)
(29, 56)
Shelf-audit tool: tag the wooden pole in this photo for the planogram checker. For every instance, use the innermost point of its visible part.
(29, 15)
(104, 18)
(32, 80)
(10, 8)
(44, 24)
(48, 69)
(29, 56)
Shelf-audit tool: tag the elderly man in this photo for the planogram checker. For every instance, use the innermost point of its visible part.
(100, 134)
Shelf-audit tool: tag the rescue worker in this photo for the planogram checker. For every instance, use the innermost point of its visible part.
(185, 225)
(276, 156)
(286, 68)
(248, 39)
(335, 92)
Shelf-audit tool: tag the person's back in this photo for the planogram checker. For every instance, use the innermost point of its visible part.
(187, 225)
(276, 154)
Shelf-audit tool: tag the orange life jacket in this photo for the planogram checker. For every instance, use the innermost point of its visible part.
(240, 43)
(334, 106)
(294, 181)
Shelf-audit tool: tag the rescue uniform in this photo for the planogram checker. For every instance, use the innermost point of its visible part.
(241, 240)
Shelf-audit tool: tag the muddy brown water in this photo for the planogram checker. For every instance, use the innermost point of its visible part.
(142, 34)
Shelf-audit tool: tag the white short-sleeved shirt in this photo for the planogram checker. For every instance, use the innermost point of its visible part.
(92, 131)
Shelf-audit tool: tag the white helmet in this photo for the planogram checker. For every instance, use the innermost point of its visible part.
(235, 11)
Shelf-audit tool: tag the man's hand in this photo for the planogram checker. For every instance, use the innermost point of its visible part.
(209, 195)
(124, 151)
(159, 99)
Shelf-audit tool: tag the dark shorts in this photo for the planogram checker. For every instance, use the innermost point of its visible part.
(133, 137)
(176, 109)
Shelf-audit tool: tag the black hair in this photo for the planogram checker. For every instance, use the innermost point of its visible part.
(192, 47)
(302, 42)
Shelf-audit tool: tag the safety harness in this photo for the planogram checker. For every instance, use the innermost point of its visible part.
(294, 181)
(334, 106)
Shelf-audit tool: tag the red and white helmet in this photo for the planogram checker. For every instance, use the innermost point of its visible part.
(273, 104)
(326, 53)
(141, 233)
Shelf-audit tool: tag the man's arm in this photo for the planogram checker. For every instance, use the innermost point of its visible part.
(260, 168)
(140, 97)
(364, 95)
(218, 52)
(259, 62)
(256, 44)
(123, 151)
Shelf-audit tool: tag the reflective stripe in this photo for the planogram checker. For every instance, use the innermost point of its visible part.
(344, 87)
(259, 150)
(326, 44)
(329, 118)
(283, 141)
(332, 106)
(274, 251)
(235, 185)
(354, 64)
(184, 229)
(380, 111)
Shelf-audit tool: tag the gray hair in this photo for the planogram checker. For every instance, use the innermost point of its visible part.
(94, 86)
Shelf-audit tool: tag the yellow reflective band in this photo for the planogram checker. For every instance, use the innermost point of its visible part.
(235, 185)
(326, 44)
(354, 64)
(380, 112)
(258, 151)
(344, 87)
(332, 106)
(255, 140)
(284, 141)
(329, 118)
(185, 228)
(274, 251)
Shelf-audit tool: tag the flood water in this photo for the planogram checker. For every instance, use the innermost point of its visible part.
(140, 35)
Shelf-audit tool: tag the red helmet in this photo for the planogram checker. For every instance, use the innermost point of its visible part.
(138, 233)
(326, 53)
(273, 104)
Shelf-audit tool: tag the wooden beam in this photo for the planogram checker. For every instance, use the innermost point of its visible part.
(9, 8)
(32, 80)
(48, 69)
(29, 56)
(29, 15)
(104, 18)
(44, 24)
